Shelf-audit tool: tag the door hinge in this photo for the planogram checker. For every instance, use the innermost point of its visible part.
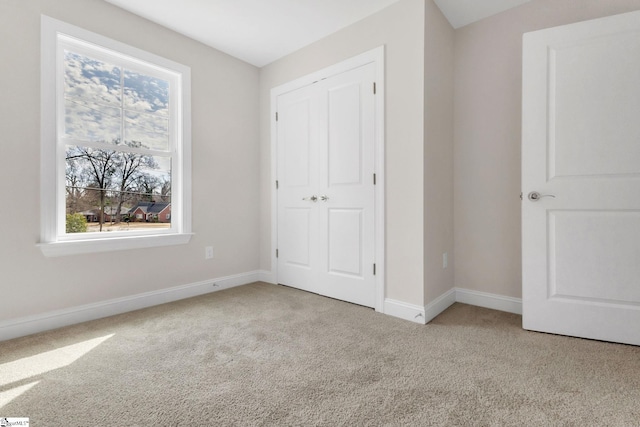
(276, 116)
(374, 179)
(374, 88)
(277, 253)
(374, 269)
(277, 184)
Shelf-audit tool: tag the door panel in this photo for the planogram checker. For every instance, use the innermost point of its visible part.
(580, 151)
(608, 106)
(337, 124)
(345, 242)
(298, 240)
(296, 141)
(345, 134)
(600, 261)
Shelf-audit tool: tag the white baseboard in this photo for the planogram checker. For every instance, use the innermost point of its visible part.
(267, 276)
(465, 296)
(19, 327)
(426, 314)
(403, 310)
(486, 300)
(439, 305)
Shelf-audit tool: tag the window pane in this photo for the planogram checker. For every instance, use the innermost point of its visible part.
(93, 99)
(146, 103)
(146, 130)
(91, 80)
(116, 191)
(97, 124)
(146, 94)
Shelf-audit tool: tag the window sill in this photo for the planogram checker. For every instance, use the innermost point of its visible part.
(76, 247)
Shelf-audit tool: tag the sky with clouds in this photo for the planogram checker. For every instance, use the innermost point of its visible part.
(98, 94)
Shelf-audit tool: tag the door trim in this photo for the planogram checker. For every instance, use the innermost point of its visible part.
(375, 56)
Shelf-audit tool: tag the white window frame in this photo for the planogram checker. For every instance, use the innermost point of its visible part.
(54, 241)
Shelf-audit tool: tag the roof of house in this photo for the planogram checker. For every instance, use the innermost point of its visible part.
(112, 210)
(150, 207)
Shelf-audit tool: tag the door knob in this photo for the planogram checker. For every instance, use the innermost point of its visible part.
(312, 198)
(534, 196)
(324, 198)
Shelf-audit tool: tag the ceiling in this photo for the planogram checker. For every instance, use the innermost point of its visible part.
(464, 12)
(261, 31)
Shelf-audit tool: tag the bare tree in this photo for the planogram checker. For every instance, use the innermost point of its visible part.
(75, 184)
(145, 185)
(129, 168)
(165, 189)
(109, 177)
(101, 165)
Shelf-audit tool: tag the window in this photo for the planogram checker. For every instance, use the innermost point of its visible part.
(115, 144)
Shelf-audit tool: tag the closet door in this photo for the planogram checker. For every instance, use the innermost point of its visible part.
(298, 136)
(326, 222)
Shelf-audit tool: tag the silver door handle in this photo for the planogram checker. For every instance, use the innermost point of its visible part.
(534, 196)
(312, 198)
(324, 198)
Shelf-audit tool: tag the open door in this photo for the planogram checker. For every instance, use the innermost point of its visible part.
(581, 179)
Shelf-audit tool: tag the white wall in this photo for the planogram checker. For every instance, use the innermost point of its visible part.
(488, 56)
(438, 153)
(225, 168)
(400, 28)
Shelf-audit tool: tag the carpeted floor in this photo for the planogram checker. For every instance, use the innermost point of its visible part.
(262, 355)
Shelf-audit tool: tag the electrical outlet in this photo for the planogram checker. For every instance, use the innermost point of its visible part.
(445, 261)
(208, 252)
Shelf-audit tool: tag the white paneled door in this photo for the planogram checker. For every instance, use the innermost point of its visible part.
(581, 180)
(325, 163)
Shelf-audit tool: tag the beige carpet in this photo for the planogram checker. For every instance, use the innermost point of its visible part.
(269, 355)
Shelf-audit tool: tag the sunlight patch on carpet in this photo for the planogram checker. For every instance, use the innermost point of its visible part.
(39, 364)
(9, 395)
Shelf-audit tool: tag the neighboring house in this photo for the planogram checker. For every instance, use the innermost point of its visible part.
(151, 212)
(110, 213)
(92, 215)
